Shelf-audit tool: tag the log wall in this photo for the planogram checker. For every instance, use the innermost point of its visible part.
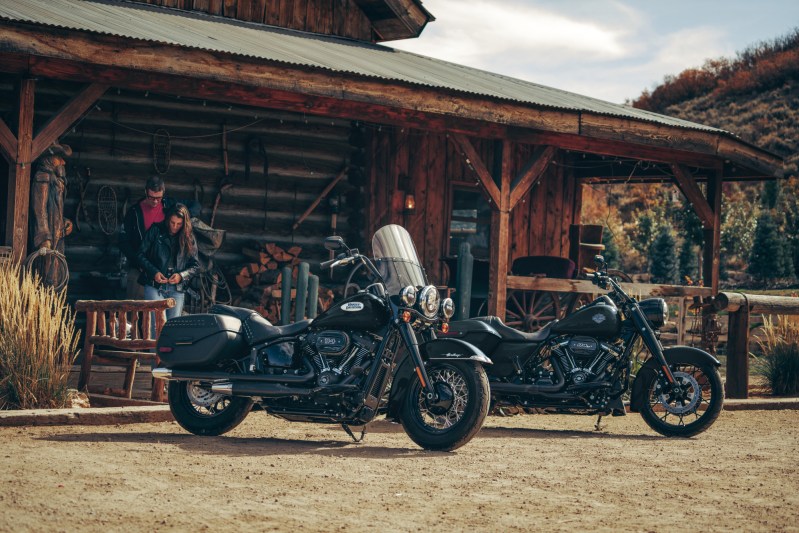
(113, 144)
(331, 17)
(433, 163)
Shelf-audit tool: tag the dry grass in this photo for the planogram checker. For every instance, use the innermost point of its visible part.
(38, 342)
(779, 342)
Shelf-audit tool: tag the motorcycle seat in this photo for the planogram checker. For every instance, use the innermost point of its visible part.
(257, 329)
(510, 334)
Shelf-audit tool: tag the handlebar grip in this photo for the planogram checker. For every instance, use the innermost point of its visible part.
(327, 264)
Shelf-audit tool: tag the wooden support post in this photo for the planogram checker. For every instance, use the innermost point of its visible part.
(463, 282)
(19, 179)
(313, 295)
(285, 296)
(302, 292)
(500, 236)
(738, 354)
(710, 267)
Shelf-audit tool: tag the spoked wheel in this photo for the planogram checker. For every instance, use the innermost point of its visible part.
(201, 411)
(690, 409)
(457, 415)
(531, 310)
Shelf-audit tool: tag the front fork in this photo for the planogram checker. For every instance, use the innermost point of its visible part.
(413, 348)
(651, 341)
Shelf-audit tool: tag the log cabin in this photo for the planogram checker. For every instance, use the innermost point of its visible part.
(277, 99)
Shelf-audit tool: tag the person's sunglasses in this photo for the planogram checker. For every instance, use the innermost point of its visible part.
(154, 198)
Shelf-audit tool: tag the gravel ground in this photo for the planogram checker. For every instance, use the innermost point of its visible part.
(527, 472)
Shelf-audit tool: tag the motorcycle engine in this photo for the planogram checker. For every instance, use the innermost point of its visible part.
(335, 353)
(584, 359)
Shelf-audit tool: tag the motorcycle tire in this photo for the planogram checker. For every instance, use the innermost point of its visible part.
(463, 386)
(203, 412)
(674, 417)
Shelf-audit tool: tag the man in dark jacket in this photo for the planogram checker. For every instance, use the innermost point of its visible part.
(139, 218)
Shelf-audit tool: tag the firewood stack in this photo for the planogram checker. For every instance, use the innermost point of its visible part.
(260, 281)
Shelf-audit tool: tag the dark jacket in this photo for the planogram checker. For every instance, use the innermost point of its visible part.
(132, 233)
(154, 255)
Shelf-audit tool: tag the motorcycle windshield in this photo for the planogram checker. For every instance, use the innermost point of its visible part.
(396, 259)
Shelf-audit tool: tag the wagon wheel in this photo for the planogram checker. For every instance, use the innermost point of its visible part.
(574, 301)
(531, 310)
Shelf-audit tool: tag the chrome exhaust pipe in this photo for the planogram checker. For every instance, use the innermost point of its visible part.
(255, 389)
(199, 375)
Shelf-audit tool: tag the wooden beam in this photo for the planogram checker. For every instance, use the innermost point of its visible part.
(500, 240)
(320, 197)
(474, 160)
(19, 179)
(688, 186)
(65, 117)
(530, 175)
(8, 143)
(527, 283)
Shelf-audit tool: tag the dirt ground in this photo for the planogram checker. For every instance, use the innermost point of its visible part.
(530, 472)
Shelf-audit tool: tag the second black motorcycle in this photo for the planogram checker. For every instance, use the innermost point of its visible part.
(590, 361)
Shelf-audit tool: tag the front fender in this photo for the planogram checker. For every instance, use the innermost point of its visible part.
(435, 350)
(447, 349)
(674, 355)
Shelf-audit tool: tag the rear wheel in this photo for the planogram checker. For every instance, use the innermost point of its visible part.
(204, 412)
(457, 416)
(692, 408)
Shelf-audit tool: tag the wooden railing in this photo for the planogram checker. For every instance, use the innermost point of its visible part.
(107, 324)
(585, 286)
(740, 306)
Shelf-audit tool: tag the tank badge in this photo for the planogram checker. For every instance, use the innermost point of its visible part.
(598, 318)
(352, 306)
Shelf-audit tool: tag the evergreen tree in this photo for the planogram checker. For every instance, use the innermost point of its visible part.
(688, 262)
(644, 233)
(771, 255)
(663, 257)
(611, 251)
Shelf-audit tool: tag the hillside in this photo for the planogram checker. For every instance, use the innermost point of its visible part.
(754, 96)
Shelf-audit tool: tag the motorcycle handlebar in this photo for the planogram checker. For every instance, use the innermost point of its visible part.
(327, 264)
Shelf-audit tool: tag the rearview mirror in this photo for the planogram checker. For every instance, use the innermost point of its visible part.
(335, 243)
(599, 261)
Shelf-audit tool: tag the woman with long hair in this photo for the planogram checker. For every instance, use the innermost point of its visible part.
(168, 255)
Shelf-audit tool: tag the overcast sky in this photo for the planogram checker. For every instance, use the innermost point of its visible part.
(608, 49)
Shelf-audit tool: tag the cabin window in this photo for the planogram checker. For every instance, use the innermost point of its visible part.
(469, 221)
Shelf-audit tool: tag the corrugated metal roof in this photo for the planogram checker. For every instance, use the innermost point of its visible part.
(199, 31)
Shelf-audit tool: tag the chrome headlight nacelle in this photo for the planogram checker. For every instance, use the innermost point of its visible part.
(429, 301)
(408, 295)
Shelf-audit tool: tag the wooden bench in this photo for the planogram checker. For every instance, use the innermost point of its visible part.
(107, 327)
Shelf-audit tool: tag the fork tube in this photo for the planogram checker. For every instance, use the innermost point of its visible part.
(413, 348)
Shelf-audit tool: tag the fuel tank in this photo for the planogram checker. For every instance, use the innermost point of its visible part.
(597, 320)
(360, 311)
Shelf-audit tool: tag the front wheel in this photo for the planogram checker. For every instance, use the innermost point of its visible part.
(457, 415)
(689, 410)
(204, 412)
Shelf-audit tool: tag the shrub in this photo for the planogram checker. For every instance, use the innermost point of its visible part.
(779, 363)
(38, 341)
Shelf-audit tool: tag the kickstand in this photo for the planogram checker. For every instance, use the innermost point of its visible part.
(349, 432)
(598, 426)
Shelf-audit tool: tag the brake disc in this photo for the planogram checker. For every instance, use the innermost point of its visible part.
(687, 382)
(203, 397)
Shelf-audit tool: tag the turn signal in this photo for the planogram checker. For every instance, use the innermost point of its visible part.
(406, 316)
(445, 327)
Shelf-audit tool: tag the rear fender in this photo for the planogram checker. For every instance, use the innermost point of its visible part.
(435, 350)
(674, 355)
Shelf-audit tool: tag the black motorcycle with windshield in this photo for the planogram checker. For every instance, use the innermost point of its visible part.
(587, 363)
(336, 368)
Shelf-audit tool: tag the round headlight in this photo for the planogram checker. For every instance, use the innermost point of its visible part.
(408, 295)
(448, 307)
(428, 301)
